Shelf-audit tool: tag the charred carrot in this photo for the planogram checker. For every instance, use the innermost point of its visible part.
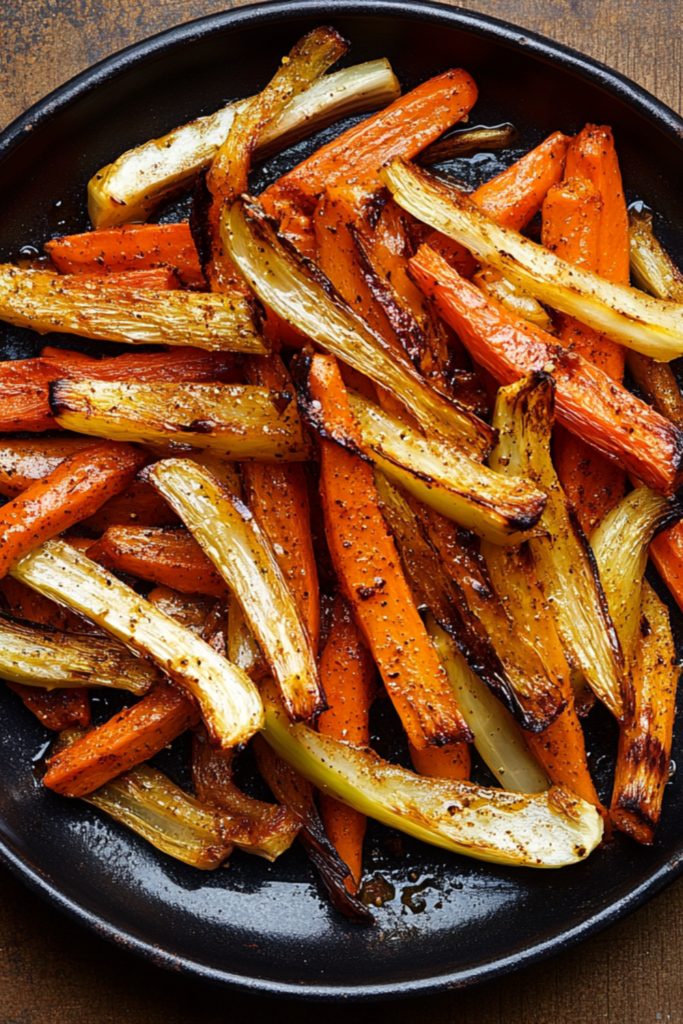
(132, 247)
(127, 739)
(55, 709)
(170, 558)
(347, 674)
(368, 567)
(401, 129)
(589, 403)
(70, 493)
(278, 497)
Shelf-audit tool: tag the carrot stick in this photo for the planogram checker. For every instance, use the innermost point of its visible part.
(561, 749)
(588, 402)
(585, 222)
(157, 278)
(592, 156)
(170, 558)
(368, 567)
(55, 709)
(666, 551)
(22, 462)
(70, 493)
(347, 674)
(401, 129)
(139, 505)
(127, 739)
(277, 494)
(450, 762)
(513, 197)
(131, 247)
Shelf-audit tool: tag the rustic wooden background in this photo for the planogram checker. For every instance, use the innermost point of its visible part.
(53, 972)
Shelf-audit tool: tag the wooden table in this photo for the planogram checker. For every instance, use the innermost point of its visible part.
(53, 972)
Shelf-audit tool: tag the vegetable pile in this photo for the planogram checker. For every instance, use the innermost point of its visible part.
(382, 450)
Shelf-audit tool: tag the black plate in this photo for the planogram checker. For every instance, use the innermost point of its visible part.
(453, 921)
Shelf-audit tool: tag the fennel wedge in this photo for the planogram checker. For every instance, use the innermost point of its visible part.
(294, 289)
(497, 738)
(229, 702)
(449, 481)
(548, 830)
(565, 563)
(239, 421)
(626, 315)
(47, 658)
(620, 544)
(227, 532)
(130, 188)
(136, 316)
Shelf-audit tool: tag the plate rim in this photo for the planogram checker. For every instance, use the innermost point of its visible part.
(517, 38)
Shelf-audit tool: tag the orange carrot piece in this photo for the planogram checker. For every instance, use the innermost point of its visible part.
(513, 197)
(55, 709)
(561, 750)
(131, 247)
(596, 237)
(401, 129)
(666, 551)
(347, 673)
(25, 603)
(127, 739)
(277, 494)
(171, 558)
(70, 493)
(450, 762)
(139, 505)
(589, 403)
(592, 155)
(370, 574)
(338, 259)
(24, 461)
(158, 278)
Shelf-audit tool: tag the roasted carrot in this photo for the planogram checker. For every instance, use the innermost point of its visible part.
(347, 673)
(589, 403)
(278, 497)
(131, 247)
(592, 156)
(401, 129)
(158, 278)
(170, 558)
(666, 551)
(512, 198)
(371, 578)
(70, 493)
(55, 709)
(180, 365)
(585, 222)
(129, 738)
(139, 505)
(450, 762)
(515, 196)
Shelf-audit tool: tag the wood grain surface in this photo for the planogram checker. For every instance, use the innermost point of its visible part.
(52, 971)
